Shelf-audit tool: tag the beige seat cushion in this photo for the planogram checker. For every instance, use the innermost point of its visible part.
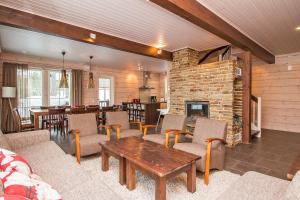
(62, 172)
(90, 144)
(130, 133)
(256, 186)
(41, 152)
(157, 138)
(293, 191)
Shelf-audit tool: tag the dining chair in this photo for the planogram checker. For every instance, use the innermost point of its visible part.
(57, 120)
(77, 110)
(171, 123)
(208, 141)
(22, 125)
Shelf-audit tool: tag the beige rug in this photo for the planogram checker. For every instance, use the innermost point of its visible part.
(176, 187)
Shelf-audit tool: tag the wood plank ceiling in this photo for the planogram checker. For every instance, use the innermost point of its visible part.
(271, 23)
(135, 20)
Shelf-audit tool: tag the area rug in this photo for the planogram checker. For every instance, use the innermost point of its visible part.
(145, 186)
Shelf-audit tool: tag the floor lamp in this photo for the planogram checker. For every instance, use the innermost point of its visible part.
(8, 93)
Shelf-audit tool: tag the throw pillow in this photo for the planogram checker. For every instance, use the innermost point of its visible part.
(12, 197)
(16, 183)
(10, 161)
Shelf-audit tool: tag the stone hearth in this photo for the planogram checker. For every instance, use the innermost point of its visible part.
(213, 82)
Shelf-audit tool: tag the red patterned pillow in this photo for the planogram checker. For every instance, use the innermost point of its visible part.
(16, 183)
(12, 197)
(10, 161)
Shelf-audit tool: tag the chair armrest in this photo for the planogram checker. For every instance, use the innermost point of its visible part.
(139, 123)
(107, 129)
(115, 125)
(77, 143)
(184, 133)
(215, 139)
(145, 127)
(25, 139)
(104, 126)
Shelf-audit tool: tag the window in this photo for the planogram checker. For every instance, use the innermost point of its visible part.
(29, 90)
(106, 89)
(58, 96)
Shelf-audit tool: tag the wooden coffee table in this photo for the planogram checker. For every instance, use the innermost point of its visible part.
(152, 159)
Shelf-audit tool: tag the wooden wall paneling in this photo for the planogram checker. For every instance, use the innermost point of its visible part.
(279, 88)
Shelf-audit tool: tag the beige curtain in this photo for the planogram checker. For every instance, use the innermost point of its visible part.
(76, 87)
(9, 80)
(23, 91)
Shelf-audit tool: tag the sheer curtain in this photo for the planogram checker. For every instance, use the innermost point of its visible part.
(76, 97)
(10, 80)
(22, 91)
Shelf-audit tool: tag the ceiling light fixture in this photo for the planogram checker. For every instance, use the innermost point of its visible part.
(91, 83)
(63, 79)
(159, 51)
(93, 36)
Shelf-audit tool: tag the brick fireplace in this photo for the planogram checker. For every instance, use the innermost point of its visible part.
(213, 83)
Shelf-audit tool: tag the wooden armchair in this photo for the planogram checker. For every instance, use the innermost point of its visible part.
(171, 123)
(23, 125)
(119, 123)
(84, 135)
(208, 141)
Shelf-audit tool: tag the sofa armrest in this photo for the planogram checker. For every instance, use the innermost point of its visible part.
(25, 139)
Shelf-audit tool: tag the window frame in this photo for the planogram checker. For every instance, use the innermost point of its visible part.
(112, 88)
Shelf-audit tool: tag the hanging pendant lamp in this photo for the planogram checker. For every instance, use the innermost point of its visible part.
(63, 79)
(91, 83)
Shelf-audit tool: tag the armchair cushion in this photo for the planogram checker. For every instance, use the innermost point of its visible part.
(85, 123)
(208, 128)
(217, 155)
(89, 144)
(172, 121)
(120, 117)
(130, 133)
(157, 138)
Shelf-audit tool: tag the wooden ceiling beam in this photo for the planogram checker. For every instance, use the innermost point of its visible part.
(23, 20)
(194, 12)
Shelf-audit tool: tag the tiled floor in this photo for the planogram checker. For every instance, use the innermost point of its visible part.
(272, 154)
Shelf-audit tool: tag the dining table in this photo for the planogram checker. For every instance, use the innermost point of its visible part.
(36, 113)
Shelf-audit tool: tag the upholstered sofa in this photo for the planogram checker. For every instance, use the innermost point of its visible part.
(257, 186)
(58, 169)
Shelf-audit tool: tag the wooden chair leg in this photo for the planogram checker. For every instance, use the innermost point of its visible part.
(108, 133)
(167, 140)
(207, 163)
(145, 131)
(77, 141)
(118, 133)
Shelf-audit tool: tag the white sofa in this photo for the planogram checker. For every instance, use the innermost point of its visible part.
(257, 186)
(55, 167)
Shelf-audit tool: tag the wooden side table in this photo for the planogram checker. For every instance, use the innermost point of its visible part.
(294, 168)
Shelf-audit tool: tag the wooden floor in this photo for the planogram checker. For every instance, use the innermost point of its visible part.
(272, 154)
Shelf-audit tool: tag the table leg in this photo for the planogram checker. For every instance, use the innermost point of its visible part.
(191, 178)
(130, 176)
(36, 122)
(105, 160)
(122, 171)
(160, 188)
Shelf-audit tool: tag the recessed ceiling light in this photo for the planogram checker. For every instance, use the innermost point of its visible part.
(298, 28)
(93, 36)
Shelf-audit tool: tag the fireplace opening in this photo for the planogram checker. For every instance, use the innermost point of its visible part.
(196, 109)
